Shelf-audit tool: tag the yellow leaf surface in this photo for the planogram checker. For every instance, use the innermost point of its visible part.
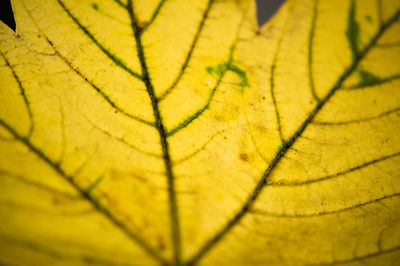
(177, 132)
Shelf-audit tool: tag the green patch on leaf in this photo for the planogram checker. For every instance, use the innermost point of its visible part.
(243, 77)
(218, 71)
(95, 6)
(94, 184)
(279, 148)
(367, 78)
(353, 31)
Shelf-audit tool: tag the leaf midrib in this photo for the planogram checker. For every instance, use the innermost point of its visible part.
(145, 78)
(174, 217)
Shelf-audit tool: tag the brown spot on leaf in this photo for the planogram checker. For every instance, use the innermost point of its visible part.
(110, 201)
(56, 201)
(59, 201)
(244, 157)
(261, 127)
(138, 177)
(160, 243)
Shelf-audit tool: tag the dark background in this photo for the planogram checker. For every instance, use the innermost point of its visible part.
(6, 14)
(266, 9)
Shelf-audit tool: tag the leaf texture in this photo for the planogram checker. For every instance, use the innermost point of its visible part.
(177, 132)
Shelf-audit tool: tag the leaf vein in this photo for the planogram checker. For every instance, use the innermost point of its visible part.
(287, 145)
(189, 54)
(96, 204)
(322, 213)
(96, 88)
(341, 173)
(327, 123)
(23, 93)
(173, 211)
(117, 61)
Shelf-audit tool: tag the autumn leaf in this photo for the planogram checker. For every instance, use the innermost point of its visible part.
(177, 132)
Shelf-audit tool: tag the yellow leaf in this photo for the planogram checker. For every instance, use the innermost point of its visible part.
(177, 132)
